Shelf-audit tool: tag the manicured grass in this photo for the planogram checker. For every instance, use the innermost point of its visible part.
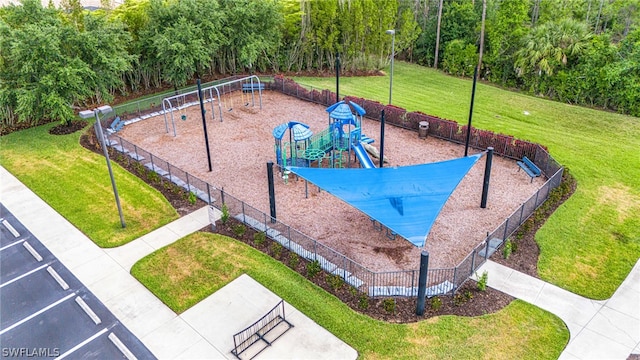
(194, 267)
(76, 183)
(591, 243)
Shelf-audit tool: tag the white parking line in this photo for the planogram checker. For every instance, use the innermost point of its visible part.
(32, 251)
(122, 347)
(10, 245)
(23, 275)
(54, 274)
(37, 313)
(68, 352)
(88, 310)
(10, 228)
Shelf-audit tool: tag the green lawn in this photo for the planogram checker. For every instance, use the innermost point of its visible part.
(591, 243)
(194, 267)
(76, 183)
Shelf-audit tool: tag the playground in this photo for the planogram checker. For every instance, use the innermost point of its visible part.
(243, 143)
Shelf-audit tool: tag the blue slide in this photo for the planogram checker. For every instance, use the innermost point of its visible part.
(363, 156)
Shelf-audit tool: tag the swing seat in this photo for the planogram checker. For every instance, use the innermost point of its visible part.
(183, 117)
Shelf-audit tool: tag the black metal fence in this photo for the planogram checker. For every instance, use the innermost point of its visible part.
(394, 283)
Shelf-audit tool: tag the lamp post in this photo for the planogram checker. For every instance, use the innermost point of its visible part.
(392, 32)
(86, 114)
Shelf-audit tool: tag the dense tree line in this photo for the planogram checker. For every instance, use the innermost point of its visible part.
(53, 61)
(583, 52)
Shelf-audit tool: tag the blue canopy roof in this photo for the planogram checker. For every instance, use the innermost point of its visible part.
(300, 130)
(359, 110)
(405, 199)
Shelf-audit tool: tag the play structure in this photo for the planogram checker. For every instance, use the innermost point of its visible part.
(223, 96)
(335, 144)
(405, 200)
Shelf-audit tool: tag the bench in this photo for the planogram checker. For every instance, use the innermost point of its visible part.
(252, 87)
(116, 125)
(529, 167)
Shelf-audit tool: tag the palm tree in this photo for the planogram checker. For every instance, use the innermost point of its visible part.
(550, 46)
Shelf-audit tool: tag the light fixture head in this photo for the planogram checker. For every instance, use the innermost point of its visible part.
(105, 109)
(86, 114)
(391, 32)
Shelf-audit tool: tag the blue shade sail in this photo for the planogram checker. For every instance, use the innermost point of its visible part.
(405, 199)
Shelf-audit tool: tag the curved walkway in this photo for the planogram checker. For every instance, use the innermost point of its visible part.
(599, 329)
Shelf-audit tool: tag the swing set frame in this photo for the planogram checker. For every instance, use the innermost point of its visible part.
(179, 102)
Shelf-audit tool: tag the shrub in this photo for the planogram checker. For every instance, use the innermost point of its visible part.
(459, 58)
(458, 300)
(259, 238)
(482, 281)
(468, 294)
(335, 281)
(313, 268)
(294, 260)
(276, 250)
(225, 214)
(389, 305)
(436, 303)
(192, 198)
(363, 302)
(239, 230)
(506, 251)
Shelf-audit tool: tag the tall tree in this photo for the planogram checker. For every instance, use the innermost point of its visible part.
(435, 58)
(481, 51)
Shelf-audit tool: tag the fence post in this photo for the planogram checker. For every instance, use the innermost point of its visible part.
(422, 282)
(272, 195)
(521, 213)
(188, 185)
(506, 229)
(209, 193)
(473, 260)
(373, 286)
(222, 195)
(455, 279)
(486, 250)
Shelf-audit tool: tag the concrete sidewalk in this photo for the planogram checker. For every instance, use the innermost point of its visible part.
(607, 329)
(105, 272)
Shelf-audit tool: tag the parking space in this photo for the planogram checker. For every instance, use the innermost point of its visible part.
(45, 311)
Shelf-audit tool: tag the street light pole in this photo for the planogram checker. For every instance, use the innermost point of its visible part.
(98, 127)
(392, 32)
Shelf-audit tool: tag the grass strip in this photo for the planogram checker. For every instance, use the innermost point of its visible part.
(196, 266)
(76, 183)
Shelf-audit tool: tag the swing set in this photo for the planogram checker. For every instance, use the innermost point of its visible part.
(222, 94)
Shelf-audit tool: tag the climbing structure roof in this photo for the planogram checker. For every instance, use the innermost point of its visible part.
(405, 199)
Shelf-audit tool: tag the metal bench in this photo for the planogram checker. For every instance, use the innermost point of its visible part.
(116, 125)
(252, 87)
(529, 167)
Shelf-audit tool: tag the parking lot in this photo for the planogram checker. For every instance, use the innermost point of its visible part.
(46, 312)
